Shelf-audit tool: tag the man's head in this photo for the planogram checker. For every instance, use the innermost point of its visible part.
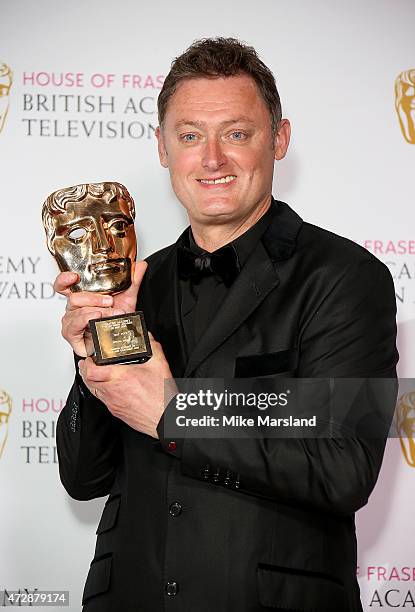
(220, 119)
(6, 80)
(221, 57)
(90, 231)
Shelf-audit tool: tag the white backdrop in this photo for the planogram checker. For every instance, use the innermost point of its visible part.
(77, 114)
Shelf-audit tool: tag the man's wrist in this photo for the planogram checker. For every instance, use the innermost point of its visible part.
(172, 446)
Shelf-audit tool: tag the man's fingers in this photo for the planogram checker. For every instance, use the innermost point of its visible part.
(93, 373)
(75, 323)
(64, 281)
(73, 328)
(83, 299)
(78, 347)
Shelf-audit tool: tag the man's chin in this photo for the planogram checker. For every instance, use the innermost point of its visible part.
(220, 210)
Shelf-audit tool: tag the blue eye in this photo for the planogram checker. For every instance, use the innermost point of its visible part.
(238, 135)
(189, 137)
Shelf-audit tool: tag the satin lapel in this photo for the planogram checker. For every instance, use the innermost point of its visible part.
(256, 280)
(164, 291)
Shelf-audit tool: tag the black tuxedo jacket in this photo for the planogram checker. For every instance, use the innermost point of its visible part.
(280, 535)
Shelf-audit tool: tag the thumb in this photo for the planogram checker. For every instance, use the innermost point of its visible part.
(156, 347)
(138, 270)
(64, 281)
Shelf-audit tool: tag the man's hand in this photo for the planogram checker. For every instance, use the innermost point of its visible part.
(134, 393)
(85, 305)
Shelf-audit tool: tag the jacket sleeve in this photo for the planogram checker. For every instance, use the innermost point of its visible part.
(88, 445)
(351, 334)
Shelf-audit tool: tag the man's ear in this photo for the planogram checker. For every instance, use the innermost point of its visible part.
(282, 139)
(161, 148)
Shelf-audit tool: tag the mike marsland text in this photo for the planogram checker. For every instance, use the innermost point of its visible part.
(260, 420)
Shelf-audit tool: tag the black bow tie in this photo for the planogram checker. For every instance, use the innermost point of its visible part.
(223, 263)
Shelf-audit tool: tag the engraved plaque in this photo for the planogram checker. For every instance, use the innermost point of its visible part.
(120, 339)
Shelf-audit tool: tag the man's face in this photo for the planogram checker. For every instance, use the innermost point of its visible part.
(96, 239)
(217, 142)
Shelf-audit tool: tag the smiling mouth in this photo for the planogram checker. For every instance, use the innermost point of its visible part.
(219, 181)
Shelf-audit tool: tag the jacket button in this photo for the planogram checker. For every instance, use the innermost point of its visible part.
(175, 509)
(172, 445)
(172, 588)
(227, 479)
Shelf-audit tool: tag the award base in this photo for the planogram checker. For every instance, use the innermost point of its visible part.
(120, 339)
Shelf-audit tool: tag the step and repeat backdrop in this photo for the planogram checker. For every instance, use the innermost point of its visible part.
(78, 89)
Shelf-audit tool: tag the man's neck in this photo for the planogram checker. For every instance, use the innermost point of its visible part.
(213, 237)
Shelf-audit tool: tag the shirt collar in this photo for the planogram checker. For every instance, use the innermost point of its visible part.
(246, 242)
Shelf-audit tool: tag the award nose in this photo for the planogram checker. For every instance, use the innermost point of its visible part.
(101, 243)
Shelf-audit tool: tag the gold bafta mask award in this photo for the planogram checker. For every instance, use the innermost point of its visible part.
(90, 231)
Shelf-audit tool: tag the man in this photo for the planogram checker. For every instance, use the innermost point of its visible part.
(249, 290)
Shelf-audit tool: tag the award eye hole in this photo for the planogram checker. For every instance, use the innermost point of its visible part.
(77, 234)
(119, 227)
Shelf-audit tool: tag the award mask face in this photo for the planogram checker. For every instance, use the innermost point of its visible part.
(90, 231)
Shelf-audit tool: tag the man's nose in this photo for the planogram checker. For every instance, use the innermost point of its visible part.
(101, 242)
(213, 155)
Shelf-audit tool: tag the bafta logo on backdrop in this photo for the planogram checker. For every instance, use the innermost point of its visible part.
(6, 80)
(5, 411)
(405, 104)
(405, 425)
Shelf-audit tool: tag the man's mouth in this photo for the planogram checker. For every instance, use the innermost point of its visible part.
(218, 181)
